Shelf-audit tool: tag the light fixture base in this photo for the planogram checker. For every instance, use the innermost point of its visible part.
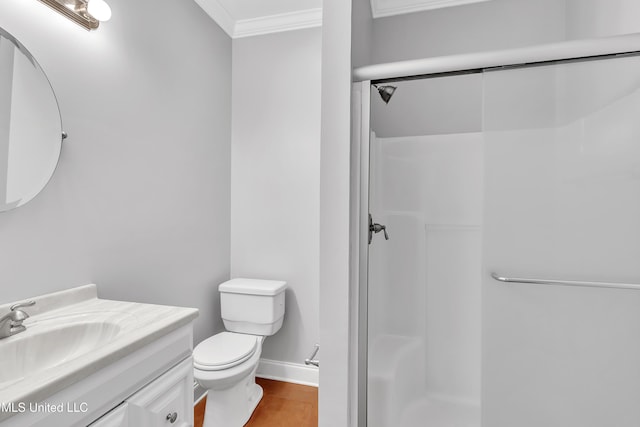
(75, 10)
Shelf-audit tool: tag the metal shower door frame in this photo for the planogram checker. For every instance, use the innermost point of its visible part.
(359, 253)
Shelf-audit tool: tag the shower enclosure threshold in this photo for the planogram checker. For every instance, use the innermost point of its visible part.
(441, 412)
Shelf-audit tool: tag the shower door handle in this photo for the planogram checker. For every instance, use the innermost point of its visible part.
(376, 228)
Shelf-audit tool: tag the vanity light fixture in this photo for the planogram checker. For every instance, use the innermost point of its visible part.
(99, 9)
(86, 13)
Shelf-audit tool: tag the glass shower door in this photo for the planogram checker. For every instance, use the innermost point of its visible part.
(426, 175)
(530, 173)
(562, 202)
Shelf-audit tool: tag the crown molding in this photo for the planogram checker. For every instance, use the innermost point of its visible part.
(277, 23)
(219, 14)
(263, 25)
(379, 10)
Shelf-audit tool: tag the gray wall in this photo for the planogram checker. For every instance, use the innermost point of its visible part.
(275, 187)
(491, 25)
(361, 33)
(601, 18)
(441, 105)
(140, 201)
(496, 24)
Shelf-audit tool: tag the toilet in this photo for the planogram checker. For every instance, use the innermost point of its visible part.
(225, 364)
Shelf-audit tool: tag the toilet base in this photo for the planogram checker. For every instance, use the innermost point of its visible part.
(232, 407)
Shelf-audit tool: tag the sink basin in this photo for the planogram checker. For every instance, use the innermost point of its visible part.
(80, 348)
(51, 343)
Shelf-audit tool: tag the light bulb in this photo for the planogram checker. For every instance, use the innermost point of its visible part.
(99, 9)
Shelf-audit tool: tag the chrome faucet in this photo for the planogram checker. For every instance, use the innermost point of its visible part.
(11, 323)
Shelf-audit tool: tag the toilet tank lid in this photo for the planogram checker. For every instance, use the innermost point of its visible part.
(253, 286)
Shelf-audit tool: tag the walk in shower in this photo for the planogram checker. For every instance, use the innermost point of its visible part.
(508, 291)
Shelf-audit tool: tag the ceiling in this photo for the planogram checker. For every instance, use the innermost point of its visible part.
(243, 18)
(382, 8)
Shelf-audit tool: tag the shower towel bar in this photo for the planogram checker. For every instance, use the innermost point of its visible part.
(566, 282)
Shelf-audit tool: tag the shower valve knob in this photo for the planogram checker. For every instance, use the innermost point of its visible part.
(376, 228)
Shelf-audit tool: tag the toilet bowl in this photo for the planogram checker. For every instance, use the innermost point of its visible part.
(228, 375)
(226, 363)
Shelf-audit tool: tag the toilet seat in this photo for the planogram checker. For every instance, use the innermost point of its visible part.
(224, 350)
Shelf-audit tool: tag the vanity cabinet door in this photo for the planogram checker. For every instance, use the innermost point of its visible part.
(167, 401)
(117, 417)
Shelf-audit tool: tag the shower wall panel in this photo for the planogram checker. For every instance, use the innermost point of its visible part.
(424, 283)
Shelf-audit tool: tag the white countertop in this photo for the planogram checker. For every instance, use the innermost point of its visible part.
(139, 324)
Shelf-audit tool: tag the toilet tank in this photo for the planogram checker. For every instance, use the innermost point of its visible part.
(252, 306)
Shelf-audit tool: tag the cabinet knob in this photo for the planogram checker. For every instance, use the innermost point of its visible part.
(172, 417)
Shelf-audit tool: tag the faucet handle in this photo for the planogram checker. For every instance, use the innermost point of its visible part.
(19, 315)
(14, 307)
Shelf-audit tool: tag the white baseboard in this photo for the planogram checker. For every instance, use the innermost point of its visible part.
(198, 393)
(288, 372)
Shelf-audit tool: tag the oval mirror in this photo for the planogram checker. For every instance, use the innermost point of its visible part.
(30, 125)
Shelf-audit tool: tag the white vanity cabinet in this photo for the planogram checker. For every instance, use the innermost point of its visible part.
(118, 417)
(166, 401)
(136, 372)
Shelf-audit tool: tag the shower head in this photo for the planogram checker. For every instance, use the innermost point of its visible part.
(386, 92)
